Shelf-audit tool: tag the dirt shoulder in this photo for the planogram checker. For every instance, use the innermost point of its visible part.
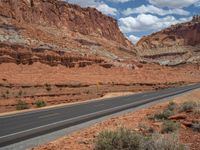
(84, 139)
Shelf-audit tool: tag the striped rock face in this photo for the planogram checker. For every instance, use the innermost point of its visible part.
(175, 45)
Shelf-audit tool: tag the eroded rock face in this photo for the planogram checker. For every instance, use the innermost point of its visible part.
(24, 55)
(180, 35)
(55, 32)
(87, 21)
(175, 45)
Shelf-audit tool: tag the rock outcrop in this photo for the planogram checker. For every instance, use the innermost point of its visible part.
(32, 30)
(87, 21)
(177, 44)
(51, 26)
(24, 55)
(180, 35)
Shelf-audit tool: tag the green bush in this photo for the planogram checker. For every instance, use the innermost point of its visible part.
(196, 111)
(188, 106)
(169, 126)
(40, 103)
(125, 139)
(21, 105)
(163, 115)
(196, 127)
(163, 142)
(172, 106)
(118, 140)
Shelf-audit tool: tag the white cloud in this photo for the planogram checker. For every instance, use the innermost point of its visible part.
(144, 23)
(99, 5)
(155, 10)
(134, 39)
(106, 9)
(173, 3)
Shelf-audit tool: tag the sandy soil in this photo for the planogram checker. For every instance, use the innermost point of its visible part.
(83, 140)
(38, 74)
(116, 94)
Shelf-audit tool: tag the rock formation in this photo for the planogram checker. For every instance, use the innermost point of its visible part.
(31, 30)
(180, 35)
(87, 21)
(175, 45)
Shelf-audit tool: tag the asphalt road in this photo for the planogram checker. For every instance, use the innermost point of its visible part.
(16, 128)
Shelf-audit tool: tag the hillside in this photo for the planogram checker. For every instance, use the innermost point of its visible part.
(175, 45)
(53, 31)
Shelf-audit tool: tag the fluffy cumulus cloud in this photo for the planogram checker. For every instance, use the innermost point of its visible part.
(155, 10)
(134, 39)
(99, 5)
(147, 22)
(173, 3)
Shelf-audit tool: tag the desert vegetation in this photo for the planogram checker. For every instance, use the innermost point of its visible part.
(175, 113)
(169, 126)
(21, 105)
(166, 137)
(126, 139)
(189, 106)
(40, 103)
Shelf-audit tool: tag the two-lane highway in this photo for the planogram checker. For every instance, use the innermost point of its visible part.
(15, 128)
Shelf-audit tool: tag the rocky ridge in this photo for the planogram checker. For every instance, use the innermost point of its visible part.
(87, 21)
(64, 32)
(172, 46)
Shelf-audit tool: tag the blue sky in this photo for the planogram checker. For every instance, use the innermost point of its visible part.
(137, 18)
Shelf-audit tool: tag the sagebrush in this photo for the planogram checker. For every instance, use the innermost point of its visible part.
(125, 139)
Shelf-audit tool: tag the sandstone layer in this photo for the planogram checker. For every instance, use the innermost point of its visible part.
(87, 21)
(172, 46)
(56, 29)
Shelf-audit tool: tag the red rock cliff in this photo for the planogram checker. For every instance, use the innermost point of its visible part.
(175, 45)
(180, 35)
(87, 21)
